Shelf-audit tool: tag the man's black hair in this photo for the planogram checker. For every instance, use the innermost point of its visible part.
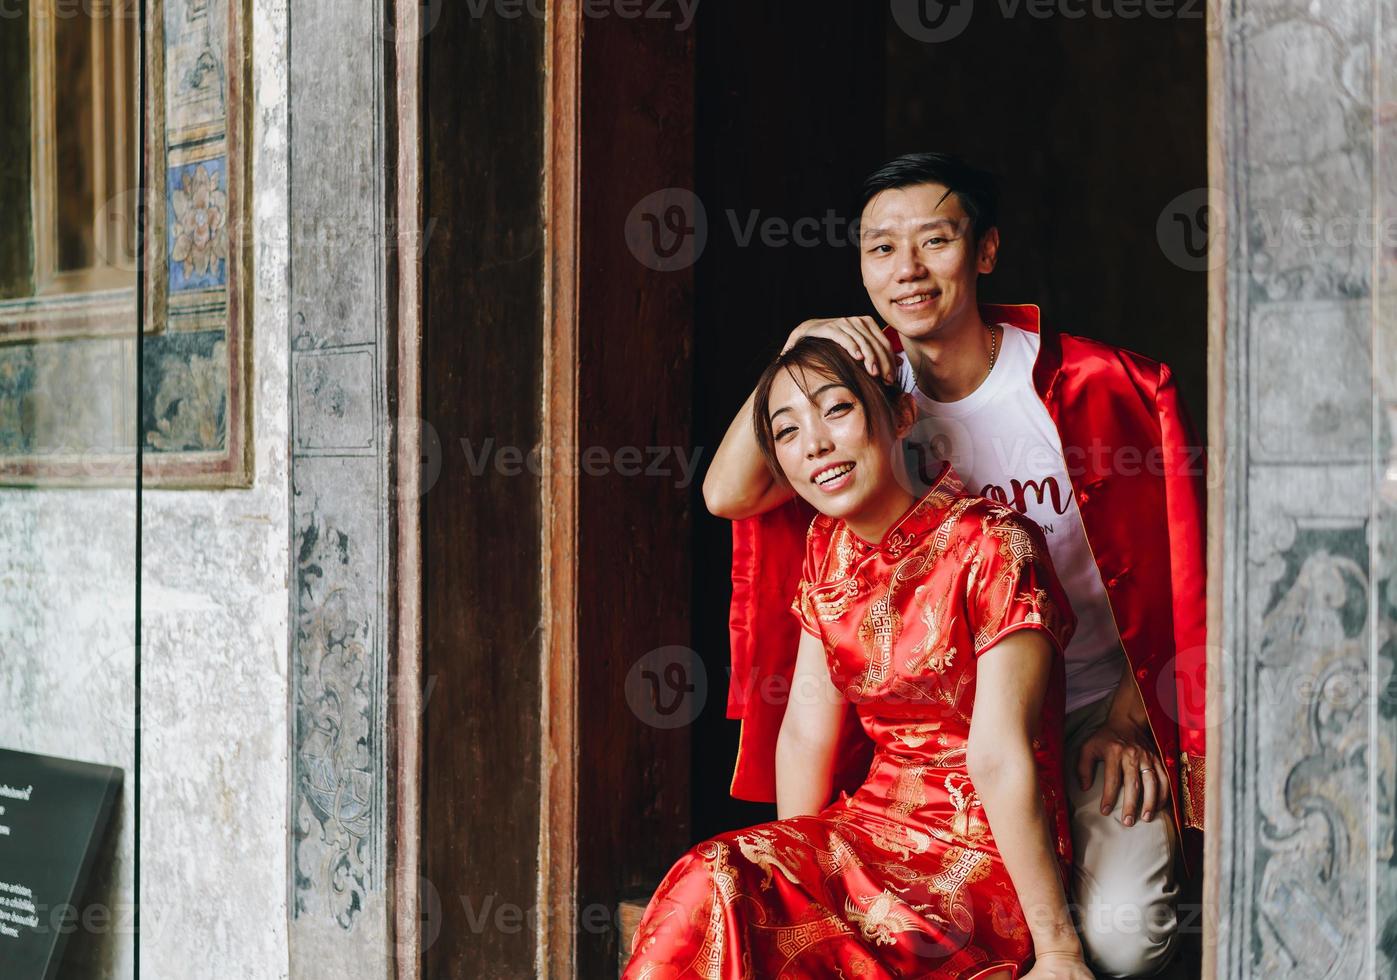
(977, 190)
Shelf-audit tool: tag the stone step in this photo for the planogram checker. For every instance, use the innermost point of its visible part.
(629, 915)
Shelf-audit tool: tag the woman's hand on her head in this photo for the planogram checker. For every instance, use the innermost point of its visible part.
(859, 335)
(1059, 966)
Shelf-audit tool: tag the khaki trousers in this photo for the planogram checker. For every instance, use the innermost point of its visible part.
(1124, 888)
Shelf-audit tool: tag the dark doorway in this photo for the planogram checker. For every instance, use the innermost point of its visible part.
(1094, 126)
(787, 124)
(792, 112)
(785, 116)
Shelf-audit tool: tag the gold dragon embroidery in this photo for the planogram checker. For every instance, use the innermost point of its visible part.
(884, 915)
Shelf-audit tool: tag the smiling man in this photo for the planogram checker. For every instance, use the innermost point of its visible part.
(1091, 442)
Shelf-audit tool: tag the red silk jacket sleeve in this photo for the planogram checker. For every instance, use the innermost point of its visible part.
(768, 551)
(1185, 501)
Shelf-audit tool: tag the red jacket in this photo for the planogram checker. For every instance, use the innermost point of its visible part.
(1137, 469)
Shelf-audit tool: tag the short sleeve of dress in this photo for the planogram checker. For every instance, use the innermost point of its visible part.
(1013, 585)
(816, 547)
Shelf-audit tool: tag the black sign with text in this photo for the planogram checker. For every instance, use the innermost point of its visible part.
(53, 816)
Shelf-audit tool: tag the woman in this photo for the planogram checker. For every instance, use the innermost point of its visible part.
(946, 635)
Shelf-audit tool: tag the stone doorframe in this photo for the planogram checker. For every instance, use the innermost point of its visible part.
(405, 912)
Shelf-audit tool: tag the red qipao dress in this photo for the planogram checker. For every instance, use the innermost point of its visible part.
(903, 878)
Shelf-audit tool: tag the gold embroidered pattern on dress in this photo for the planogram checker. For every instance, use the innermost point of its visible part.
(931, 653)
(645, 937)
(911, 852)
(967, 824)
(759, 847)
(829, 602)
(877, 633)
(915, 736)
(948, 758)
(932, 687)
(884, 916)
(1044, 612)
(1007, 919)
(708, 963)
(1017, 547)
(840, 855)
(897, 543)
(946, 530)
(846, 555)
(960, 866)
(859, 966)
(899, 840)
(1015, 540)
(909, 792)
(794, 940)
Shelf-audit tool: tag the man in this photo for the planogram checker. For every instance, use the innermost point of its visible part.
(1090, 441)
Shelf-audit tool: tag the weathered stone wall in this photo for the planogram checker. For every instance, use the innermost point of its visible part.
(67, 655)
(215, 595)
(1308, 715)
(340, 358)
(214, 605)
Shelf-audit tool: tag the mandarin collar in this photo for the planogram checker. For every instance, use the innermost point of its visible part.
(921, 516)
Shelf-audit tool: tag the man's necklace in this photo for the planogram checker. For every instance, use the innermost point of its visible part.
(994, 355)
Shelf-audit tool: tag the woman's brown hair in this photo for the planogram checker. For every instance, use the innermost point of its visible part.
(826, 357)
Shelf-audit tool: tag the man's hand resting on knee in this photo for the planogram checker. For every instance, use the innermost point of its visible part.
(1124, 745)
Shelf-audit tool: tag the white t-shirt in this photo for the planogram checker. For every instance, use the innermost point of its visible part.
(1003, 444)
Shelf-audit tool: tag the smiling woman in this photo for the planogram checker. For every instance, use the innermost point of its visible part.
(941, 621)
(824, 426)
(817, 359)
